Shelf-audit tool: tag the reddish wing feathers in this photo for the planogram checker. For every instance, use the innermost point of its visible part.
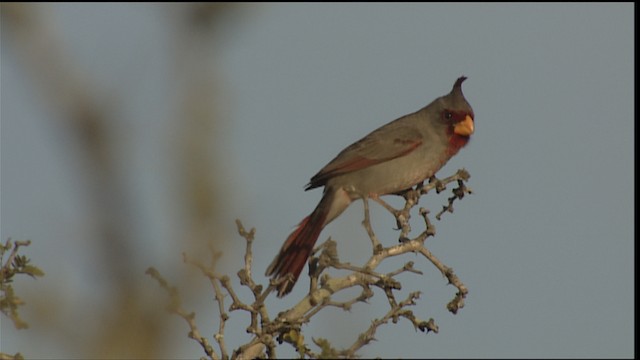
(397, 140)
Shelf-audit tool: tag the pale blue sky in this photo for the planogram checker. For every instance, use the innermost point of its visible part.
(545, 244)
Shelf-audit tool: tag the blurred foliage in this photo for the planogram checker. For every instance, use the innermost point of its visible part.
(11, 266)
(14, 264)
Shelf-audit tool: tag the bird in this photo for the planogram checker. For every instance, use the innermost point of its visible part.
(389, 160)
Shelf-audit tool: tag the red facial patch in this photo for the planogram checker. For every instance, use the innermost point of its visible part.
(456, 142)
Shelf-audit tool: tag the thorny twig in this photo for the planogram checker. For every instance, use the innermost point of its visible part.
(458, 193)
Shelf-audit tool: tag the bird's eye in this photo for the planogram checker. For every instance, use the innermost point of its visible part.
(448, 115)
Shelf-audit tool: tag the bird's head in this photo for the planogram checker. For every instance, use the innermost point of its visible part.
(456, 115)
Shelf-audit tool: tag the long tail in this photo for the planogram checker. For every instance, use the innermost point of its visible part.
(296, 249)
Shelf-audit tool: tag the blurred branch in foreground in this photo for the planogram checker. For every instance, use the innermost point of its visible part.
(287, 325)
(126, 327)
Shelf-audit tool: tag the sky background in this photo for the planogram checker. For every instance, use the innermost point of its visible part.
(545, 243)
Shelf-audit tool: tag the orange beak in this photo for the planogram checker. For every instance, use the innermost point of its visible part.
(465, 127)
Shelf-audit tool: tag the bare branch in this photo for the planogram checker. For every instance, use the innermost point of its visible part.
(175, 307)
(287, 326)
(367, 225)
(393, 313)
(457, 302)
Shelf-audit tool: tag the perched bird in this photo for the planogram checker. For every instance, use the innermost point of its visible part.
(390, 159)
